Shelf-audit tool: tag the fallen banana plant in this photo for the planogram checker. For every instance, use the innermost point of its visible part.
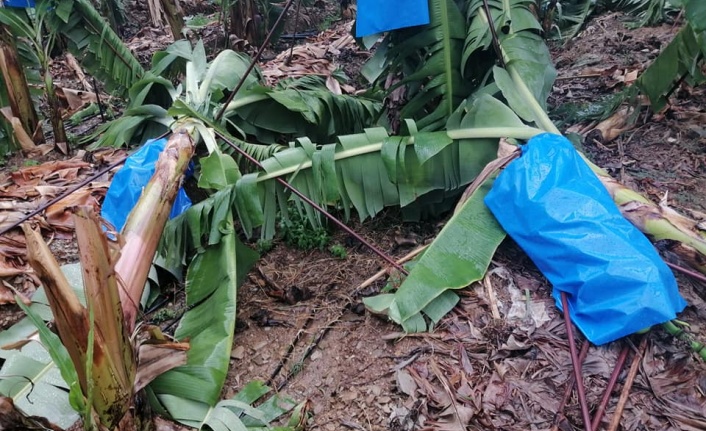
(416, 293)
(97, 337)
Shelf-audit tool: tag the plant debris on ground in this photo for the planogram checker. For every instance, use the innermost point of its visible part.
(501, 359)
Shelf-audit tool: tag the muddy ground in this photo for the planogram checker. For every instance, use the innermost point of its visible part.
(501, 371)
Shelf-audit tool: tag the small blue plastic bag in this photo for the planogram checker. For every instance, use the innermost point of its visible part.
(555, 208)
(377, 16)
(128, 182)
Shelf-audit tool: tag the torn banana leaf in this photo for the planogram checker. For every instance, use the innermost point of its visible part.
(459, 256)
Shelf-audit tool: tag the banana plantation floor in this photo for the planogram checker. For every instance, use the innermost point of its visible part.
(501, 359)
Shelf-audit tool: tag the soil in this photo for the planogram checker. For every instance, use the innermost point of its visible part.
(303, 330)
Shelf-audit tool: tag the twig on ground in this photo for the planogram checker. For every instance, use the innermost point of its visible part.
(491, 297)
(409, 256)
(634, 367)
(598, 416)
(76, 68)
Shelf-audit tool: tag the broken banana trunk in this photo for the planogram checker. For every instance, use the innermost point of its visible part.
(146, 221)
(97, 337)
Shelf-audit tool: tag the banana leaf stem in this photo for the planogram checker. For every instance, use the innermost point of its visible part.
(569, 388)
(677, 332)
(523, 133)
(576, 363)
(687, 271)
(318, 208)
(619, 363)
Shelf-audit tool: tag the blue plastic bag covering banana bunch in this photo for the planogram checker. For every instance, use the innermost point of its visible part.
(377, 16)
(128, 182)
(555, 208)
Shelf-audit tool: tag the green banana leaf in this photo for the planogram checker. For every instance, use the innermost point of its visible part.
(301, 107)
(366, 171)
(647, 12)
(211, 285)
(571, 16)
(93, 42)
(430, 59)
(695, 12)
(236, 413)
(459, 256)
(681, 58)
(212, 280)
(522, 47)
(36, 386)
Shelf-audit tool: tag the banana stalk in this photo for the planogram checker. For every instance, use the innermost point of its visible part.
(97, 338)
(16, 83)
(145, 223)
(658, 222)
(105, 366)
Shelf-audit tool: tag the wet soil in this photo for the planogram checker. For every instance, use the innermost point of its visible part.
(502, 372)
(501, 359)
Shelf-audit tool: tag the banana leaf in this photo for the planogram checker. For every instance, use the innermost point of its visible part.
(695, 12)
(301, 107)
(237, 413)
(430, 59)
(93, 42)
(36, 386)
(211, 290)
(523, 49)
(571, 16)
(681, 58)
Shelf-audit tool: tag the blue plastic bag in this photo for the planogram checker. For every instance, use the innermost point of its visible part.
(377, 16)
(555, 208)
(18, 3)
(128, 182)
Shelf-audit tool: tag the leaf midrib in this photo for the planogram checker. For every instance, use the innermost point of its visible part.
(446, 30)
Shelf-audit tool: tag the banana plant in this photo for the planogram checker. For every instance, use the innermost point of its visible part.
(368, 171)
(270, 116)
(30, 28)
(94, 43)
(15, 92)
(680, 60)
(98, 337)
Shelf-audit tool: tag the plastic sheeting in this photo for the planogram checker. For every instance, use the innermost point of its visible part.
(377, 16)
(128, 182)
(18, 3)
(552, 204)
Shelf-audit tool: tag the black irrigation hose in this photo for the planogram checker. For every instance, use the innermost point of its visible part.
(68, 192)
